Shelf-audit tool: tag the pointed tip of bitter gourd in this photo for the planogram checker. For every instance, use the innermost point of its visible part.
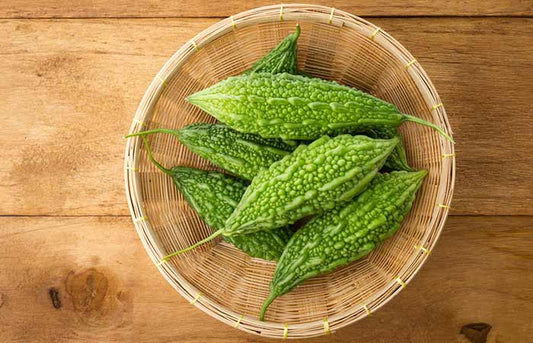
(198, 97)
(419, 174)
(422, 173)
(417, 177)
(417, 120)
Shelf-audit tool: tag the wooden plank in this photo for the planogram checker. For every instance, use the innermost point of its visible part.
(217, 8)
(105, 289)
(71, 89)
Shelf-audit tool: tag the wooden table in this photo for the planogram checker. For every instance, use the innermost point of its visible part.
(72, 268)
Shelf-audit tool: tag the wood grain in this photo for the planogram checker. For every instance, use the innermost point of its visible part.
(70, 89)
(109, 291)
(218, 8)
(68, 92)
(482, 70)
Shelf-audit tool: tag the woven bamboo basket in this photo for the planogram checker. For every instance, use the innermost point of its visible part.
(218, 278)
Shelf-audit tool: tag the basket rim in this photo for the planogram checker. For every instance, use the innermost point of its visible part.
(289, 12)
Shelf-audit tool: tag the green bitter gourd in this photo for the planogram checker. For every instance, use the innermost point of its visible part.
(213, 196)
(281, 59)
(311, 179)
(346, 233)
(242, 154)
(297, 107)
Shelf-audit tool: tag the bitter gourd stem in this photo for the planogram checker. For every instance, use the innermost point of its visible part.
(157, 164)
(142, 134)
(205, 240)
(149, 132)
(267, 303)
(417, 120)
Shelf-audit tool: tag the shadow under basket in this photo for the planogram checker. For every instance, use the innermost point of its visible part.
(217, 277)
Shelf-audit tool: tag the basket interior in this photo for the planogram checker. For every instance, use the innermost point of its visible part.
(229, 278)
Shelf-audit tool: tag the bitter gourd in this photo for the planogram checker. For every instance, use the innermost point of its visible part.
(311, 179)
(347, 232)
(297, 107)
(242, 154)
(281, 59)
(214, 196)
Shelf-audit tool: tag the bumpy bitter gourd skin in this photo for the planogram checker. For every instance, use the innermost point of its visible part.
(347, 232)
(281, 59)
(293, 106)
(242, 154)
(296, 107)
(311, 179)
(214, 196)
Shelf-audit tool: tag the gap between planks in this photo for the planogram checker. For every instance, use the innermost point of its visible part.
(437, 16)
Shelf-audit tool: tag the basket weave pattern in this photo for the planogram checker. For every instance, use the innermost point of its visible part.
(218, 278)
